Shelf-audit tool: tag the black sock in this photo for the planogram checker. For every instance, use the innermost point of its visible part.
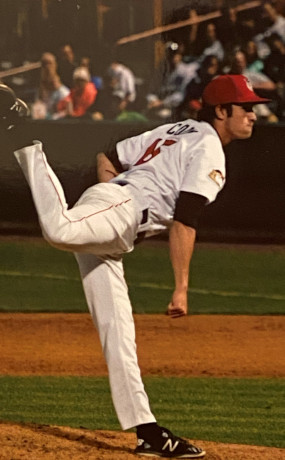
(148, 431)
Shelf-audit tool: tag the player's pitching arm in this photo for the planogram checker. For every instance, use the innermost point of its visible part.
(182, 236)
(181, 246)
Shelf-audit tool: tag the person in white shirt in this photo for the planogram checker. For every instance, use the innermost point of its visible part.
(163, 100)
(277, 26)
(260, 83)
(167, 177)
(212, 45)
(123, 81)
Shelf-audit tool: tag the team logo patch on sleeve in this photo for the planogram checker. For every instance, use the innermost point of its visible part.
(217, 177)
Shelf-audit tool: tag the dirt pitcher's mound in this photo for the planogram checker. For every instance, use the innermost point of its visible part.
(196, 345)
(214, 345)
(41, 442)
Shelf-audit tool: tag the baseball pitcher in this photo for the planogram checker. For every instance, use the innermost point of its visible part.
(161, 179)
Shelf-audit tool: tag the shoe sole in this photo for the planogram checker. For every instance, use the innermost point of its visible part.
(155, 454)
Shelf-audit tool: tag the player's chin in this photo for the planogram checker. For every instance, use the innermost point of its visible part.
(246, 133)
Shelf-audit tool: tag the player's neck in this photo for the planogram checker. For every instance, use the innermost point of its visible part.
(223, 134)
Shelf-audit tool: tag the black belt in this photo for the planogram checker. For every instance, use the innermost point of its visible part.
(144, 216)
(144, 212)
(140, 237)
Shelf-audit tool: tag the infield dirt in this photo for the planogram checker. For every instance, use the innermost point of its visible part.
(220, 346)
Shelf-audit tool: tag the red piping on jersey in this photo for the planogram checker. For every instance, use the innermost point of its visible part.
(85, 217)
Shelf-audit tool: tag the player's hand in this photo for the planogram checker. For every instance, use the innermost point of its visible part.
(178, 306)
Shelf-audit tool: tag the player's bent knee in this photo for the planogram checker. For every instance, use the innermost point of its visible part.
(58, 238)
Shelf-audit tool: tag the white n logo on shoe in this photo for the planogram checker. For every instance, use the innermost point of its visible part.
(170, 446)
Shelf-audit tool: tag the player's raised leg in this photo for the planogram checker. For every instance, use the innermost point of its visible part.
(103, 222)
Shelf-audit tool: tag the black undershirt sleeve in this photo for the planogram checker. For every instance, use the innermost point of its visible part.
(189, 207)
(112, 155)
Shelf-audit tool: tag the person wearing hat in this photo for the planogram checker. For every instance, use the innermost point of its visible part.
(82, 95)
(160, 179)
(227, 104)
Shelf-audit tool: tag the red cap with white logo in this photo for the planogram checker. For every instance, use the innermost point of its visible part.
(230, 89)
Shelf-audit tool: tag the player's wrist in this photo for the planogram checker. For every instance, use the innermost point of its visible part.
(182, 288)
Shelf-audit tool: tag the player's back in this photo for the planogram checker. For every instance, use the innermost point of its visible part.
(158, 161)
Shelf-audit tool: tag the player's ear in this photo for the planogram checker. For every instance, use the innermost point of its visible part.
(221, 112)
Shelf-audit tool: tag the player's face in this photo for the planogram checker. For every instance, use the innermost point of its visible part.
(240, 124)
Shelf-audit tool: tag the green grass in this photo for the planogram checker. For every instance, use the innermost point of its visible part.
(228, 280)
(231, 280)
(246, 411)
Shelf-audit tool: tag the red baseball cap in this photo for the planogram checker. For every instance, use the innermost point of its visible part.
(230, 89)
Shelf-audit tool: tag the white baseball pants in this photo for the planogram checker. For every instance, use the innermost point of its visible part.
(98, 229)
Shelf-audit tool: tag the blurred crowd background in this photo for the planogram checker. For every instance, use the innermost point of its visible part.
(67, 59)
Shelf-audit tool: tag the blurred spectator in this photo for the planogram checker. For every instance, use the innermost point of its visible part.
(163, 100)
(85, 61)
(248, 25)
(209, 69)
(48, 64)
(230, 29)
(50, 90)
(210, 44)
(276, 21)
(82, 95)
(66, 65)
(261, 84)
(117, 94)
(254, 63)
(274, 67)
(107, 104)
(274, 24)
(122, 81)
(48, 69)
(259, 80)
(274, 64)
(110, 106)
(46, 106)
(124, 114)
(191, 38)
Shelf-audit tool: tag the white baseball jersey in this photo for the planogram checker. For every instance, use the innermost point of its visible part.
(187, 156)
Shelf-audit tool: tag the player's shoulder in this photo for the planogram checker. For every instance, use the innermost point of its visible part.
(206, 142)
(187, 130)
(193, 133)
(209, 135)
(208, 149)
(178, 128)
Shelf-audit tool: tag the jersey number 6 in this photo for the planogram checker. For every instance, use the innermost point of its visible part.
(153, 150)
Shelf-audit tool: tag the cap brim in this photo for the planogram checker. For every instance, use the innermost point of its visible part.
(247, 101)
(260, 100)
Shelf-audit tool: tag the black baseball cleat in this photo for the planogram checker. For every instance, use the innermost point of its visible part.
(168, 445)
